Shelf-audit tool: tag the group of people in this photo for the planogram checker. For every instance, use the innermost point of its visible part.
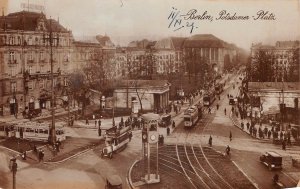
(40, 153)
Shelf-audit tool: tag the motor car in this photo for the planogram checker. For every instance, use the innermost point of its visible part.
(165, 120)
(232, 101)
(272, 160)
(113, 182)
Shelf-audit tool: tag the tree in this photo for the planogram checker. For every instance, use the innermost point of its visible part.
(261, 68)
(79, 88)
(294, 74)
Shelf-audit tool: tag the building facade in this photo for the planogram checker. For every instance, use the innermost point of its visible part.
(25, 77)
(169, 52)
(280, 63)
(153, 94)
(208, 50)
(268, 98)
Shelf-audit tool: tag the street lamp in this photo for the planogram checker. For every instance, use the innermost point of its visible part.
(52, 136)
(14, 168)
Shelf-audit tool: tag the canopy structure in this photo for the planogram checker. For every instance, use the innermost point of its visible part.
(150, 116)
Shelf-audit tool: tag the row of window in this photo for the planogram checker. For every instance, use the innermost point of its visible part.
(13, 56)
(43, 83)
(30, 40)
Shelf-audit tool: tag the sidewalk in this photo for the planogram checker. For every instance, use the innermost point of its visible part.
(267, 134)
(19, 119)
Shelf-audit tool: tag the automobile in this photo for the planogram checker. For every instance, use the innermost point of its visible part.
(272, 160)
(165, 120)
(232, 101)
(113, 182)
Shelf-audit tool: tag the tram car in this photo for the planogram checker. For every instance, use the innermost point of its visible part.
(190, 116)
(219, 88)
(116, 139)
(6, 130)
(209, 98)
(38, 131)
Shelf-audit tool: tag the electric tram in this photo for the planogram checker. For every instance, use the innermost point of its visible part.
(116, 139)
(38, 131)
(190, 116)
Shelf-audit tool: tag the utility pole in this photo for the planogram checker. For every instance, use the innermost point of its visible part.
(52, 136)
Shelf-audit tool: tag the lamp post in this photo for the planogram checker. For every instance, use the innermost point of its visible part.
(52, 136)
(14, 168)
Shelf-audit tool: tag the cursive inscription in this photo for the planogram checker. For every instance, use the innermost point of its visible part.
(190, 19)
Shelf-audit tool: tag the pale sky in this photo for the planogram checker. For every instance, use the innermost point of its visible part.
(138, 19)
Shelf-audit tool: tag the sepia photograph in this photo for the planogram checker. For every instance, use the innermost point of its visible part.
(149, 94)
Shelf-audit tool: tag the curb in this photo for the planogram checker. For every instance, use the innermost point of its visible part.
(235, 124)
(254, 184)
(129, 175)
(3, 147)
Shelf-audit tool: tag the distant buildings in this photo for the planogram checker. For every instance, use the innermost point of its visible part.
(207, 50)
(273, 76)
(25, 71)
(279, 63)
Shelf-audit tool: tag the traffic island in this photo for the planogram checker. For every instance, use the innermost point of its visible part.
(172, 174)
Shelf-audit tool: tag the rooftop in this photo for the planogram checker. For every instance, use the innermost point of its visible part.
(204, 41)
(143, 83)
(29, 21)
(274, 86)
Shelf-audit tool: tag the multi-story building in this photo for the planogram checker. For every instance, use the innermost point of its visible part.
(169, 53)
(206, 49)
(280, 63)
(25, 77)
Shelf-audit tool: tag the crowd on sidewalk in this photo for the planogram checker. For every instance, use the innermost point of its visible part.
(257, 129)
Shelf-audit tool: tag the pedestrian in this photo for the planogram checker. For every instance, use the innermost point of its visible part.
(40, 155)
(217, 106)
(168, 131)
(173, 124)
(93, 116)
(230, 136)
(225, 111)
(34, 148)
(227, 150)
(242, 126)
(281, 135)
(99, 131)
(209, 110)
(24, 155)
(283, 145)
(269, 134)
(248, 125)
(210, 141)
(87, 121)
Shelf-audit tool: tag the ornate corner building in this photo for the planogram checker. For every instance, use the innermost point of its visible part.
(25, 65)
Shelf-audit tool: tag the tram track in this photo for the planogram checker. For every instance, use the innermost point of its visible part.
(198, 159)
